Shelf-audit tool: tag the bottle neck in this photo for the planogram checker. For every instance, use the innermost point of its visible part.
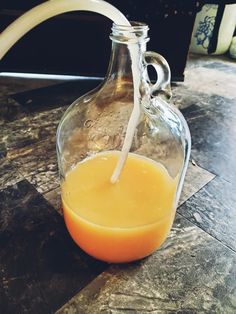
(120, 60)
(128, 45)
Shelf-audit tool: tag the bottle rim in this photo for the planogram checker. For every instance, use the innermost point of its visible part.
(134, 26)
(134, 33)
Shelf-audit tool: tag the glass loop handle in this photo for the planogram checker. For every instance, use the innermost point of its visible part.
(162, 85)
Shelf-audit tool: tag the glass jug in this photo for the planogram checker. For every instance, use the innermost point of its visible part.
(91, 134)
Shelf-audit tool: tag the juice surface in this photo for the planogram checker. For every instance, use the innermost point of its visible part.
(118, 222)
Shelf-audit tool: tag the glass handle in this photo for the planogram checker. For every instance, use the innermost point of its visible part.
(162, 85)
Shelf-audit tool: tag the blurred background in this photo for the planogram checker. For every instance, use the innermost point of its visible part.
(78, 43)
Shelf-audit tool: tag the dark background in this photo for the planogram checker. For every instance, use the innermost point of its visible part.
(78, 43)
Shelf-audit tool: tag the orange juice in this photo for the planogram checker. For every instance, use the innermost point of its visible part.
(118, 222)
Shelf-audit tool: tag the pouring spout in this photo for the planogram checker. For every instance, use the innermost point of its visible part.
(51, 8)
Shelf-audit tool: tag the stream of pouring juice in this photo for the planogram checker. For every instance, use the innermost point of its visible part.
(118, 222)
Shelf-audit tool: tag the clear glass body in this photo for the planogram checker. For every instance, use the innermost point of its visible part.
(97, 122)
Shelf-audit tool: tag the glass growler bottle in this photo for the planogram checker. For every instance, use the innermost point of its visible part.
(129, 219)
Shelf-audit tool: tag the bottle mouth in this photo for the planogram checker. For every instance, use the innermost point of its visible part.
(134, 25)
(134, 33)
